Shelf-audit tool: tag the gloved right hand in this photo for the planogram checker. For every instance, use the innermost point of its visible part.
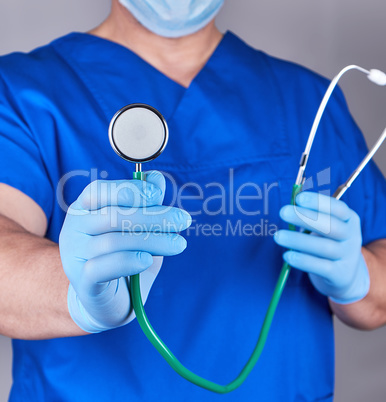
(112, 231)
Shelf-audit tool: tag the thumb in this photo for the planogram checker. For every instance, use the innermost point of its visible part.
(158, 179)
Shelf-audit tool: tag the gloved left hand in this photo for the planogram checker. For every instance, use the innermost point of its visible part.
(332, 253)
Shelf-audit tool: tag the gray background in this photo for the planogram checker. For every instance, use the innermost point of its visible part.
(323, 35)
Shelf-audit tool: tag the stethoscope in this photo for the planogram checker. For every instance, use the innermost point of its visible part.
(138, 133)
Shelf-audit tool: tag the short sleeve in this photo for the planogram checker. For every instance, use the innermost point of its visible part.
(21, 164)
(367, 195)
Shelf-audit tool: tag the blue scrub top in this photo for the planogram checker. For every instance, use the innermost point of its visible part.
(237, 131)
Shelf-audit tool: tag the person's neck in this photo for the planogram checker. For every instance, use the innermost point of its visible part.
(180, 59)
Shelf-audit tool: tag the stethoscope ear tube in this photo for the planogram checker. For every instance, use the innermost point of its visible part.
(376, 76)
(346, 185)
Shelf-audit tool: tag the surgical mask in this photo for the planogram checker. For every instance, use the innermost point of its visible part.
(173, 18)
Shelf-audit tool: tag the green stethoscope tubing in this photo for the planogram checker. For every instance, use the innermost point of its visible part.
(178, 366)
(148, 330)
(135, 292)
(136, 299)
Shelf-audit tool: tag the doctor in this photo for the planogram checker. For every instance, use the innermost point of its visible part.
(238, 120)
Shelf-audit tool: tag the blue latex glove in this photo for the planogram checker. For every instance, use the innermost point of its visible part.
(111, 232)
(332, 253)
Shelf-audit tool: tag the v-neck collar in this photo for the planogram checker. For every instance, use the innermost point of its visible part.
(85, 37)
(226, 98)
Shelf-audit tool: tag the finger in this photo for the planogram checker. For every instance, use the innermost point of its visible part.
(306, 243)
(318, 222)
(112, 266)
(148, 219)
(309, 263)
(124, 193)
(160, 244)
(325, 204)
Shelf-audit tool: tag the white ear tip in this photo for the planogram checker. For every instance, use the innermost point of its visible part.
(377, 76)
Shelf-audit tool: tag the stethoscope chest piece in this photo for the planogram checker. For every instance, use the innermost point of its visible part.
(138, 133)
